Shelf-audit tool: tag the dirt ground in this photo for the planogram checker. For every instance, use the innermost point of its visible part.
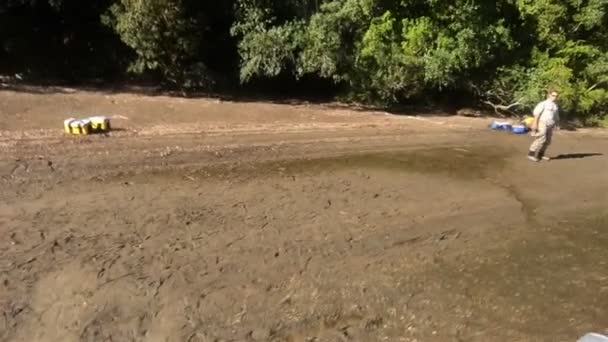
(207, 220)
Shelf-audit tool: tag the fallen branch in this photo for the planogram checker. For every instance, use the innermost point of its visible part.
(501, 96)
(506, 108)
(596, 85)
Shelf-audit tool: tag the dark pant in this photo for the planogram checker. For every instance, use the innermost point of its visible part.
(542, 140)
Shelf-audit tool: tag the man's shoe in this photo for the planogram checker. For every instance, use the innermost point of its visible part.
(534, 159)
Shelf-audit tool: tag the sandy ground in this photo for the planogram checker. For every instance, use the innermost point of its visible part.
(206, 220)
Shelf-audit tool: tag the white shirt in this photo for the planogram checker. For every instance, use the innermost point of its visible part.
(547, 112)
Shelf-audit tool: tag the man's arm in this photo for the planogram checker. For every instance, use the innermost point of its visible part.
(538, 110)
(535, 124)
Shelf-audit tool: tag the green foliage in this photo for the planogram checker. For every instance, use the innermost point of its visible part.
(265, 49)
(569, 55)
(161, 34)
(391, 66)
(328, 46)
(503, 54)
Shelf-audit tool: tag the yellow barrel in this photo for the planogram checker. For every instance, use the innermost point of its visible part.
(80, 127)
(85, 126)
(66, 125)
(75, 127)
(100, 123)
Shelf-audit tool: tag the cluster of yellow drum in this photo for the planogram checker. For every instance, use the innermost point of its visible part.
(95, 124)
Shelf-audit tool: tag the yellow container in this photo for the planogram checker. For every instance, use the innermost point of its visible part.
(66, 125)
(80, 127)
(75, 127)
(85, 127)
(528, 121)
(100, 124)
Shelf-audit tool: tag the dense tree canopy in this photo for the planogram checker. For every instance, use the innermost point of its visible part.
(501, 54)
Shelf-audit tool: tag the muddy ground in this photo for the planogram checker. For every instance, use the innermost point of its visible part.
(206, 220)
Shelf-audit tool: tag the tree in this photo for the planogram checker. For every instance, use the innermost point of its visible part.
(568, 53)
(162, 36)
(502, 54)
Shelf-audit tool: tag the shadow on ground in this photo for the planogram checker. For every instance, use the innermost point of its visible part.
(301, 95)
(577, 155)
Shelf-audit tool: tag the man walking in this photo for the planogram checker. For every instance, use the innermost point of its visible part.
(546, 118)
